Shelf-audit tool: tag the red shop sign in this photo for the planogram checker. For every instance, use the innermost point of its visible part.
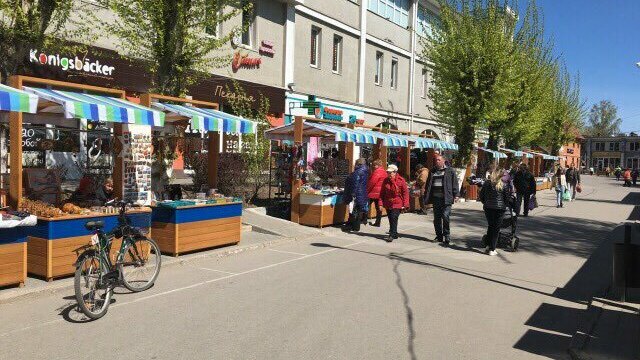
(244, 61)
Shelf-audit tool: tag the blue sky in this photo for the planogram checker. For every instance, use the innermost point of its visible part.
(600, 40)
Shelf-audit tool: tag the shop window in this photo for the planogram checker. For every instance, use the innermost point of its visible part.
(425, 83)
(337, 54)
(394, 73)
(249, 24)
(315, 46)
(379, 67)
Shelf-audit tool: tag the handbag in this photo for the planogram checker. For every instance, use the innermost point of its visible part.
(578, 188)
(533, 203)
(566, 196)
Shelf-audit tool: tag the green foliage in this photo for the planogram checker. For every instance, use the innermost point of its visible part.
(37, 24)
(256, 147)
(172, 37)
(603, 119)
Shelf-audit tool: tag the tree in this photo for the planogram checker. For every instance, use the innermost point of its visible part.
(603, 119)
(36, 24)
(176, 38)
(256, 147)
(471, 58)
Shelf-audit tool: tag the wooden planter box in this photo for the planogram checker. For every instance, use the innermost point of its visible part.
(54, 244)
(13, 256)
(322, 210)
(197, 227)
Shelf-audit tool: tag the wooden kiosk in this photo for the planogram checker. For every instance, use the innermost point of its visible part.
(13, 241)
(54, 242)
(180, 229)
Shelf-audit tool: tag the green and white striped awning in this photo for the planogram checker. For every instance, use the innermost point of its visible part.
(209, 119)
(17, 100)
(99, 108)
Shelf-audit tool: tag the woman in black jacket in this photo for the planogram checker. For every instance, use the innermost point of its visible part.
(494, 195)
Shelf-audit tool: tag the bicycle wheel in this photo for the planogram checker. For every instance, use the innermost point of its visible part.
(92, 296)
(141, 264)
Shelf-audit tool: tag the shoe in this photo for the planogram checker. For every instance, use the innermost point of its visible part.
(493, 253)
(376, 224)
(346, 229)
(437, 239)
(525, 215)
(395, 237)
(389, 239)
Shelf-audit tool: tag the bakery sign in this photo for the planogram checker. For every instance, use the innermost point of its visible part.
(244, 61)
(74, 63)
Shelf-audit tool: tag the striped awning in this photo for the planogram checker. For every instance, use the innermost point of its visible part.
(517, 153)
(312, 129)
(99, 108)
(17, 100)
(494, 153)
(209, 119)
(544, 156)
(391, 140)
(423, 143)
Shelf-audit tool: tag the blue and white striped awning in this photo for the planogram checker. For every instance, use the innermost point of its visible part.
(17, 100)
(99, 108)
(517, 153)
(494, 153)
(423, 143)
(210, 119)
(322, 130)
(544, 156)
(444, 145)
(391, 140)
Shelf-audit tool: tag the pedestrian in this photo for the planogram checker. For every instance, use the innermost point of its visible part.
(561, 186)
(607, 171)
(442, 191)
(618, 173)
(574, 182)
(495, 195)
(568, 174)
(374, 185)
(356, 190)
(525, 185)
(634, 176)
(626, 176)
(395, 198)
(422, 175)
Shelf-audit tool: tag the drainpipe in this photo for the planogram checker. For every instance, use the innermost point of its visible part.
(412, 68)
(363, 49)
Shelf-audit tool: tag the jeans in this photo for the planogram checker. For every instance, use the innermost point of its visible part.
(378, 210)
(393, 215)
(573, 190)
(441, 214)
(520, 198)
(559, 194)
(494, 220)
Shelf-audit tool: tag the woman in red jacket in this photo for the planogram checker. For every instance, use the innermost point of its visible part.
(395, 198)
(374, 185)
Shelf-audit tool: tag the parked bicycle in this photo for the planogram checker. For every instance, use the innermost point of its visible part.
(136, 265)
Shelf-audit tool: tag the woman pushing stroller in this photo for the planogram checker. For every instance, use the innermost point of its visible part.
(495, 196)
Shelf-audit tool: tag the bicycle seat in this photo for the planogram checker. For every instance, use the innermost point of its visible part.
(94, 225)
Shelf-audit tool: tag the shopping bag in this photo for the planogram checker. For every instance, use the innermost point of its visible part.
(579, 188)
(533, 203)
(566, 196)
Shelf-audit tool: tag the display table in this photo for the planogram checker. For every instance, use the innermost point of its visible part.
(322, 210)
(542, 183)
(189, 228)
(13, 256)
(55, 243)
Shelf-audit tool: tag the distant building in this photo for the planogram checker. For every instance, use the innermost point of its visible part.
(612, 151)
(570, 153)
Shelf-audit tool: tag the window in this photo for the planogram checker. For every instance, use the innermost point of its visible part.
(337, 54)
(634, 146)
(425, 83)
(394, 73)
(426, 21)
(396, 11)
(213, 25)
(248, 22)
(614, 146)
(315, 46)
(599, 146)
(379, 67)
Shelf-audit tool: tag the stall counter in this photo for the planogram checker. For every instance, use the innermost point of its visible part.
(55, 243)
(13, 256)
(322, 210)
(184, 229)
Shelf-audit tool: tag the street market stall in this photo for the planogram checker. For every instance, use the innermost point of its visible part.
(13, 237)
(60, 230)
(543, 180)
(211, 219)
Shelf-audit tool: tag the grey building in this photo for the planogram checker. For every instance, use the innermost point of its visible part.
(613, 151)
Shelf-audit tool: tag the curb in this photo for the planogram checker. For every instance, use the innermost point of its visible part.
(167, 261)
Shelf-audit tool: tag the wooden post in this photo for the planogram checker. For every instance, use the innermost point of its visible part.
(213, 156)
(380, 152)
(298, 129)
(406, 162)
(431, 158)
(350, 151)
(118, 161)
(15, 154)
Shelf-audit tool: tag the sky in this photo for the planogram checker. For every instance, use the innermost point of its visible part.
(600, 41)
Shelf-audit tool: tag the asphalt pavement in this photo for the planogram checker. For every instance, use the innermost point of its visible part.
(330, 295)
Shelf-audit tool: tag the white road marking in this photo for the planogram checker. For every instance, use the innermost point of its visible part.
(288, 252)
(220, 271)
(232, 275)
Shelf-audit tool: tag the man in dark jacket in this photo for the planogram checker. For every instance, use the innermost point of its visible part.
(355, 190)
(442, 191)
(525, 185)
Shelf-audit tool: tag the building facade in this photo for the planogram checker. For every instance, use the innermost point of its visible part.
(570, 153)
(614, 151)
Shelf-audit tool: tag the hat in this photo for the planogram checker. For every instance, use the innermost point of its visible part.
(392, 168)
